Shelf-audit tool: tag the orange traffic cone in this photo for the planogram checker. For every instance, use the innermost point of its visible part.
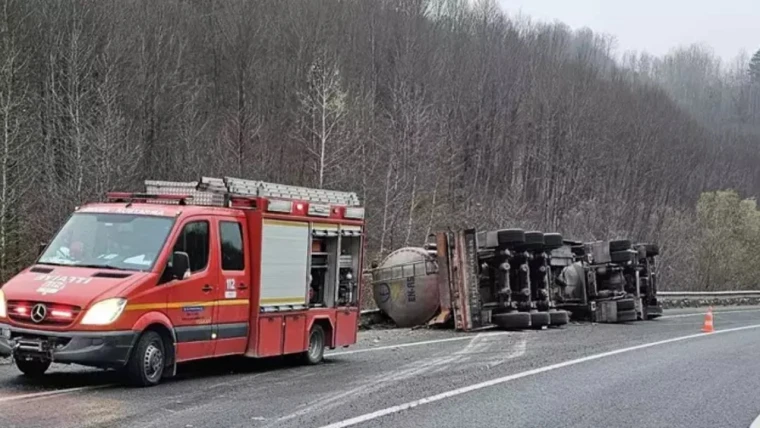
(708, 325)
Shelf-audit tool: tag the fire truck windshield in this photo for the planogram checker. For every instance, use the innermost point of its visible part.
(110, 241)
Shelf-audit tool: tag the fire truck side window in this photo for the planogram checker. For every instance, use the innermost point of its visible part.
(231, 234)
(194, 241)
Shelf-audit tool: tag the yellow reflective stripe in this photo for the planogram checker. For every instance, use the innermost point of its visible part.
(145, 306)
(286, 300)
(232, 302)
(177, 305)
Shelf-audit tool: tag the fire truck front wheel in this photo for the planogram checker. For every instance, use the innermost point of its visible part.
(316, 350)
(32, 367)
(146, 365)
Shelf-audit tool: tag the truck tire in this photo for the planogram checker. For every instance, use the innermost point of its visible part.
(559, 317)
(553, 240)
(509, 237)
(620, 245)
(32, 367)
(316, 351)
(534, 237)
(540, 319)
(146, 364)
(620, 256)
(651, 250)
(488, 239)
(627, 316)
(511, 320)
(626, 305)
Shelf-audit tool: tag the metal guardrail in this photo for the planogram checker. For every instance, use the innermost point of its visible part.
(708, 294)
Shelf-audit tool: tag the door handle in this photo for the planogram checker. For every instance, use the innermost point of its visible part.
(207, 288)
(242, 286)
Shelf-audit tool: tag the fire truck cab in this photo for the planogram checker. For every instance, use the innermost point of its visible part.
(187, 271)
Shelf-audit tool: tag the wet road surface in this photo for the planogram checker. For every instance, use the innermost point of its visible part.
(698, 381)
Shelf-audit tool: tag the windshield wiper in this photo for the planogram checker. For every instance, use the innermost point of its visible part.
(95, 266)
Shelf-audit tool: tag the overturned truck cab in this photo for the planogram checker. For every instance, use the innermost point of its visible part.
(606, 282)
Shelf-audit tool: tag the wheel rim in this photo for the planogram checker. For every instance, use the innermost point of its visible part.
(153, 361)
(315, 346)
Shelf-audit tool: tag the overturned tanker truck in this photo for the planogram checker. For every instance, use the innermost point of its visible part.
(475, 280)
(512, 279)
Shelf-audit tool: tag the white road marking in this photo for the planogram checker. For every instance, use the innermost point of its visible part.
(406, 345)
(755, 423)
(377, 382)
(516, 352)
(476, 346)
(459, 391)
(703, 313)
(49, 393)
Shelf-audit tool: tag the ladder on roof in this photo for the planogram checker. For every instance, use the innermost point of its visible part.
(238, 186)
(217, 191)
(188, 188)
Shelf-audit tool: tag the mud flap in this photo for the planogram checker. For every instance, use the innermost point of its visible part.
(442, 318)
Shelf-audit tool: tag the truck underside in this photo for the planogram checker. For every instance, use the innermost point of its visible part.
(513, 279)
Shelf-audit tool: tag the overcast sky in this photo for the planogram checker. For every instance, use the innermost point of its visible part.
(656, 26)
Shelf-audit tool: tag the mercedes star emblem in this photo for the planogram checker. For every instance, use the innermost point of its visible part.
(39, 312)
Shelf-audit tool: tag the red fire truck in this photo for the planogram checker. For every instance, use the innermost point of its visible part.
(188, 271)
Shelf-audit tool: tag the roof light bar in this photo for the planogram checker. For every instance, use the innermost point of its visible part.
(128, 195)
(319, 210)
(280, 206)
(355, 212)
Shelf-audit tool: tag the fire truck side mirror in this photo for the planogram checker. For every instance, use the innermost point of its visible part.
(180, 264)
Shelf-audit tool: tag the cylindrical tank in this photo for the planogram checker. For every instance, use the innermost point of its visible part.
(405, 286)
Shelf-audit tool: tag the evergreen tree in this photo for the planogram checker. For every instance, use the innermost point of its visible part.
(754, 67)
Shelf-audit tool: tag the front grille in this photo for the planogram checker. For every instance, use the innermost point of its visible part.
(55, 314)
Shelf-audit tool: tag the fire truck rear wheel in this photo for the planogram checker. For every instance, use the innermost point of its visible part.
(146, 365)
(316, 351)
(559, 317)
(32, 367)
(511, 320)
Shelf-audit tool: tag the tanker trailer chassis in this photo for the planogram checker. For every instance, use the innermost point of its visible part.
(589, 281)
(488, 280)
(504, 278)
(539, 264)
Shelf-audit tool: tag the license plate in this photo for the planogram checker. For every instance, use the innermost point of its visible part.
(30, 345)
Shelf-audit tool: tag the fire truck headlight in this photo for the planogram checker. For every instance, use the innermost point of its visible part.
(3, 308)
(104, 312)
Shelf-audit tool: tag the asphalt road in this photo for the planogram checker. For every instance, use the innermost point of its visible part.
(582, 375)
